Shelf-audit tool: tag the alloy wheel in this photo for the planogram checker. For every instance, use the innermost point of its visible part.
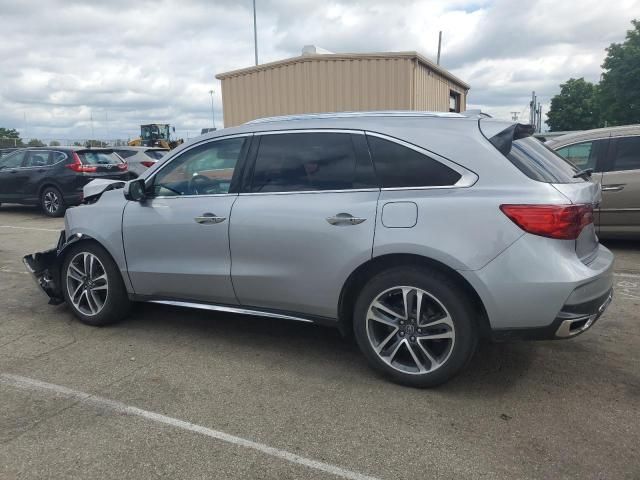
(51, 202)
(87, 283)
(410, 330)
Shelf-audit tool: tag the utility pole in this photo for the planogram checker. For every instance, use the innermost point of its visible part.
(213, 118)
(532, 109)
(255, 32)
(439, 46)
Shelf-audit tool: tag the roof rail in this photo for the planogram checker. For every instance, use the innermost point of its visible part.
(381, 113)
(476, 113)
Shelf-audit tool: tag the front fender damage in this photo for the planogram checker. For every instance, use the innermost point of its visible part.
(45, 266)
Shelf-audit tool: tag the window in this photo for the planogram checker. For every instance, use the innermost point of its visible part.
(582, 155)
(203, 170)
(126, 153)
(155, 154)
(627, 154)
(38, 158)
(13, 160)
(539, 162)
(292, 162)
(104, 157)
(399, 166)
(454, 101)
(58, 157)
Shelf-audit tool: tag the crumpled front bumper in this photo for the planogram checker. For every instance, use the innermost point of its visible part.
(45, 269)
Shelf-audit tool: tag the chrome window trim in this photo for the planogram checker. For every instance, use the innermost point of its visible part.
(150, 178)
(225, 308)
(194, 196)
(66, 157)
(298, 192)
(467, 177)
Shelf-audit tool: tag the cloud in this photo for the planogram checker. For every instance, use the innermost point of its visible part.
(70, 67)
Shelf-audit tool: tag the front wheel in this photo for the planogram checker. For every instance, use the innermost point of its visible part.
(92, 285)
(415, 326)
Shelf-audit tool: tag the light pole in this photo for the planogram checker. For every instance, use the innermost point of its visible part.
(255, 32)
(213, 118)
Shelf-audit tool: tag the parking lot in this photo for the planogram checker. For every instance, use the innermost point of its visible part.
(192, 394)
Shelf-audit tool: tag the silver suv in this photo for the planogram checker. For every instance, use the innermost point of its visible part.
(419, 233)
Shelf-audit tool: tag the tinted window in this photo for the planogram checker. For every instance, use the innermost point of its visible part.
(58, 157)
(627, 154)
(295, 162)
(126, 153)
(98, 158)
(13, 160)
(400, 166)
(38, 158)
(155, 154)
(539, 162)
(203, 170)
(582, 155)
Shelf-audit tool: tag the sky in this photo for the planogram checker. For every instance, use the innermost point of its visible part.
(73, 69)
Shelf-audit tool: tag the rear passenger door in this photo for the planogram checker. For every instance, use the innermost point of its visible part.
(620, 210)
(304, 220)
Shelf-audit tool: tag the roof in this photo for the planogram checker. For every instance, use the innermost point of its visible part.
(346, 56)
(594, 134)
(381, 113)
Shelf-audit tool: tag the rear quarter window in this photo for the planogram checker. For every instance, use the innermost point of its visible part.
(539, 162)
(99, 158)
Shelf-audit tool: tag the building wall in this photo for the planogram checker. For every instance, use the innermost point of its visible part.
(325, 84)
(431, 90)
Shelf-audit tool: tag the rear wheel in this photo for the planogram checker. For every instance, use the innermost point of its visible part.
(52, 202)
(92, 285)
(415, 326)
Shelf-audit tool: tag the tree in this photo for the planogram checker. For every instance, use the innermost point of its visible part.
(9, 137)
(34, 142)
(575, 107)
(619, 95)
(54, 143)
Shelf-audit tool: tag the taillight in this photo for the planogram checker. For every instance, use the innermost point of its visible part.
(123, 166)
(563, 222)
(148, 163)
(78, 166)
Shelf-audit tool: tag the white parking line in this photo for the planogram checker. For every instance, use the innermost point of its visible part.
(31, 228)
(119, 407)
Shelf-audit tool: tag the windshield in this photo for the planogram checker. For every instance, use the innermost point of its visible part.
(539, 162)
(104, 157)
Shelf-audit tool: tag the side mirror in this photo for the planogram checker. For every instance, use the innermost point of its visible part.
(135, 190)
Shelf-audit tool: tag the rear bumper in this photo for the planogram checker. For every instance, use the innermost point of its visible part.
(44, 267)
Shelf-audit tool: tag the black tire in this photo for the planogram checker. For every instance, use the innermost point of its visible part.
(52, 203)
(456, 354)
(116, 305)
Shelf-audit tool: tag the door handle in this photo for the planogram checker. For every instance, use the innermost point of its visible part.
(612, 188)
(345, 219)
(209, 218)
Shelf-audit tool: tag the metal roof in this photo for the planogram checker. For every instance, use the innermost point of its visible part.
(347, 56)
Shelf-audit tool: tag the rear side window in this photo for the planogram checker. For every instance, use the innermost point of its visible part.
(98, 158)
(399, 166)
(539, 162)
(126, 153)
(582, 155)
(293, 162)
(155, 154)
(627, 154)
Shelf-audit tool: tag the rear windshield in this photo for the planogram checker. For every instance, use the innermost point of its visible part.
(156, 154)
(104, 157)
(539, 162)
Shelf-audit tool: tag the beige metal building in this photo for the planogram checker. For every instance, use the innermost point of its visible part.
(314, 83)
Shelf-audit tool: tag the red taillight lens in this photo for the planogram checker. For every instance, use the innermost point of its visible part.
(148, 163)
(564, 222)
(77, 165)
(123, 166)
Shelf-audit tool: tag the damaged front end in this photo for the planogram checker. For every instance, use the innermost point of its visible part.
(45, 269)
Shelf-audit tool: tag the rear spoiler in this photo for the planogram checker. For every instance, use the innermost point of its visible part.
(504, 139)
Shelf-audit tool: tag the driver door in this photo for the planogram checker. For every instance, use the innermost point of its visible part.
(177, 240)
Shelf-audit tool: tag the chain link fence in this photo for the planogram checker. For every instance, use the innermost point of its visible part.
(58, 142)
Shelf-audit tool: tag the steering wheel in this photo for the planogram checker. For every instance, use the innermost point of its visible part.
(199, 184)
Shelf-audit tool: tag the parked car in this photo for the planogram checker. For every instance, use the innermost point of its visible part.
(614, 155)
(53, 177)
(418, 232)
(140, 158)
